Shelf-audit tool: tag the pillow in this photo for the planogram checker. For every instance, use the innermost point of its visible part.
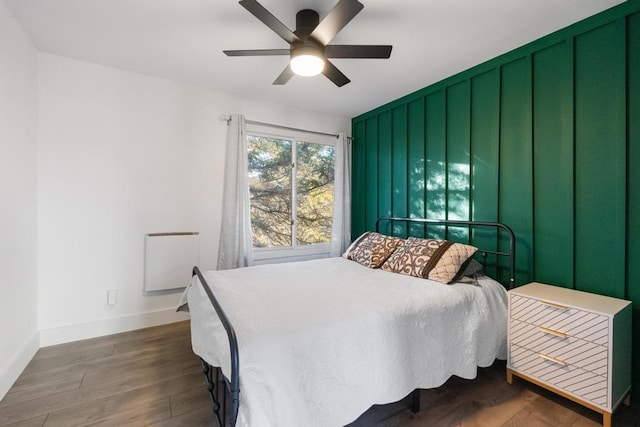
(471, 268)
(372, 249)
(416, 257)
(433, 259)
(469, 272)
(451, 262)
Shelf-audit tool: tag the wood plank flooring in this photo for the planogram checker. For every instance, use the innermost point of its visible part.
(150, 377)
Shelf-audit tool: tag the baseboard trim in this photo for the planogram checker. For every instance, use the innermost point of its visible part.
(115, 325)
(10, 373)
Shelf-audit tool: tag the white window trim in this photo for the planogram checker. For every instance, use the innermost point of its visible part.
(290, 253)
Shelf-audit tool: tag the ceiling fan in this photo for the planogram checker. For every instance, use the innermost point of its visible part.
(309, 44)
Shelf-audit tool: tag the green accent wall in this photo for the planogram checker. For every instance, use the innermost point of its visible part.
(545, 138)
(633, 188)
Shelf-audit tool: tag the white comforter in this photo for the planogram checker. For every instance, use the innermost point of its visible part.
(321, 341)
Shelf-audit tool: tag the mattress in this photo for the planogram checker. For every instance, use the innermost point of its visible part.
(321, 341)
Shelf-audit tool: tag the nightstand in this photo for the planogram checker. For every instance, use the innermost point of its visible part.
(574, 343)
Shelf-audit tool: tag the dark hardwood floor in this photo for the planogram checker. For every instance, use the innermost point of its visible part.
(150, 377)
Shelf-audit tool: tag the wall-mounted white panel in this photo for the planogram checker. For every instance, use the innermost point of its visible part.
(169, 259)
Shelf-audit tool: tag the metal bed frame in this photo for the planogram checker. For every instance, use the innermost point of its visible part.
(225, 393)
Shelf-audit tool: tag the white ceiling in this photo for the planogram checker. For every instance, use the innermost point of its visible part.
(183, 40)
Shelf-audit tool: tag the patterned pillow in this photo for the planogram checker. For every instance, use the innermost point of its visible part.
(451, 262)
(372, 249)
(416, 257)
(432, 259)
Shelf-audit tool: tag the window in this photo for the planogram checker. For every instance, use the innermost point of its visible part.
(291, 186)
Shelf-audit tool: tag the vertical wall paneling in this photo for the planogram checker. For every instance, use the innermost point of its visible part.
(516, 177)
(399, 164)
(600, 128)
(358, 183)
(435, 153)
(385, 154)
(485, 120)
(416, 163)
(633, 190)
(371, 173)
(458, 173)
(553, 164)
(633, 162)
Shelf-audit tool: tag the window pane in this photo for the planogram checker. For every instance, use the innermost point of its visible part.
(314, 189)
(270, 190)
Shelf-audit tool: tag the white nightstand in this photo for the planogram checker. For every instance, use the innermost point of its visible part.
(573, 343)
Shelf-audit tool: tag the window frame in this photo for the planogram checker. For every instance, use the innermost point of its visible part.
(294, 252)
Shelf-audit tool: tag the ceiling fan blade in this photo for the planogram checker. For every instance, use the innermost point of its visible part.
(357, 51)
(284, 76)
(257, 10)
(257, 52)
(336, 19)
(335, 75)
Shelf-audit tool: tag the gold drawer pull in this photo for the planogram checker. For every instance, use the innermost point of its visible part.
(554, 305)
(552, 332)
(553, 359)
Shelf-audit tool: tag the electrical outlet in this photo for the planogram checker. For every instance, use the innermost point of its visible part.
(112, 296)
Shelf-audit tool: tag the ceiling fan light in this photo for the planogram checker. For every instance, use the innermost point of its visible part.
(307, 64)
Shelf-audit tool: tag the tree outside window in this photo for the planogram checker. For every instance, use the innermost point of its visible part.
(291, 185)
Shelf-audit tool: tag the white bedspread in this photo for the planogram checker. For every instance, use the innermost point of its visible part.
(321, 341)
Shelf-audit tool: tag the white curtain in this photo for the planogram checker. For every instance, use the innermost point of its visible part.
(236, 245)
(341, 232)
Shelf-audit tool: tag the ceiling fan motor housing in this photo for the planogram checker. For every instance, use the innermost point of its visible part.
(306, 21)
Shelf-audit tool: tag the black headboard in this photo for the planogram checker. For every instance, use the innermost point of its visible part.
(511, 254)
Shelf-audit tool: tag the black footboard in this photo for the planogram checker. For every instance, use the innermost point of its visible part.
(220, 387)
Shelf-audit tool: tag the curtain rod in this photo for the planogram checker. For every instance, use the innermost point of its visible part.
(254, 122)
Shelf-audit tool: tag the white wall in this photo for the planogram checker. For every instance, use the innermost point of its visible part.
(18, 200)
(122, 154)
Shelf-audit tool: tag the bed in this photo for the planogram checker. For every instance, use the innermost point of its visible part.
(317, 343)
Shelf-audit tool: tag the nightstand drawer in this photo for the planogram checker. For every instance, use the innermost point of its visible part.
(569, 378)
(577, 323)
(574, 351)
